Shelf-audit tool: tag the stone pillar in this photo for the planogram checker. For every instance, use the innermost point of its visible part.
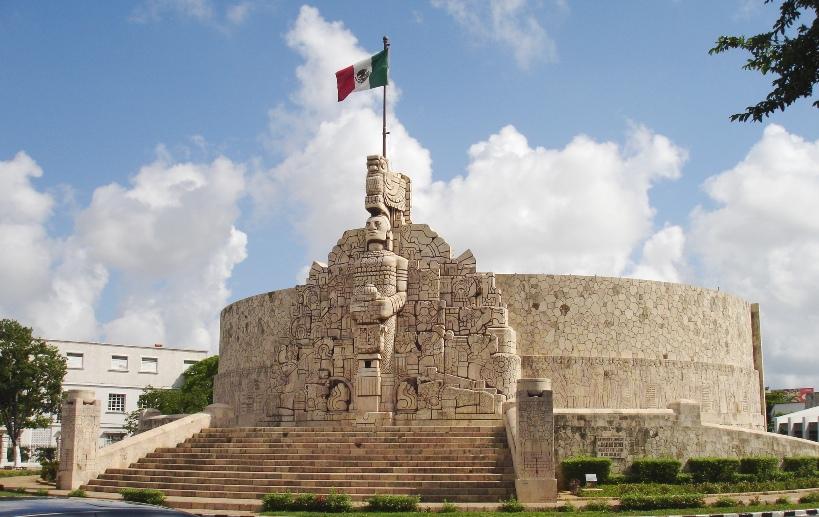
(534, 448)
(80, 432)
(368, 384)
(5, 441)
(756, 342)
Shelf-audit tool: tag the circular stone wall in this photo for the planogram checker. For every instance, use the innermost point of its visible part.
(619, 343)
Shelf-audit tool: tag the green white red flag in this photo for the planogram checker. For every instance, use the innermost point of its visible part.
(366, 74)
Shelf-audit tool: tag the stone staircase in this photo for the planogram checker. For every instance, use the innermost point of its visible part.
(459, 464)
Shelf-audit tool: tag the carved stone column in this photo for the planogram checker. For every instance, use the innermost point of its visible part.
(80, 433)
(535, 462)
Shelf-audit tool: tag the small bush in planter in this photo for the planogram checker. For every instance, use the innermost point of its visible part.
(393, 503)
(577, 467)
(276, 502)
(706, 469)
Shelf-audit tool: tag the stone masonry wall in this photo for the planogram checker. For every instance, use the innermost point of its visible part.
(625, 435)
(630, 344)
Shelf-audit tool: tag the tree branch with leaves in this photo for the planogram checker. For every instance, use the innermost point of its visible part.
(790, 52)
(31, 381)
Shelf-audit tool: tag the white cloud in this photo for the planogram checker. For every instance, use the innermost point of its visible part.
(581, 209)
(325, 142)
(510, 23)
(662, 256)
(761, 242)
(168, 241)
(201, 11)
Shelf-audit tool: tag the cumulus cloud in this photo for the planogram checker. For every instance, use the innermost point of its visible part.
(167, 241)
(509, 23)
(662, 256)
(202, 11)
(581, 209)
(761, 242)
(324, 143)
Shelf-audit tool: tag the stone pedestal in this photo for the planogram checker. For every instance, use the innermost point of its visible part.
(535, 461)
(368, 384)
(5, 442)
(78, 446)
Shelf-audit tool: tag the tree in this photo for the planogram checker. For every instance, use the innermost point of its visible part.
(792, 55)
(193, 395)
(31, 381)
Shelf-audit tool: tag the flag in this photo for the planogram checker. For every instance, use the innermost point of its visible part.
(370, 73)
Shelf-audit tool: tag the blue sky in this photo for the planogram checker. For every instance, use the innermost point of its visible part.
(160, 158)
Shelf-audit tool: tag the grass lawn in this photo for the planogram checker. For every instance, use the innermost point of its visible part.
(621, 489)
(13, 473)
(4, 494)
(677, 511)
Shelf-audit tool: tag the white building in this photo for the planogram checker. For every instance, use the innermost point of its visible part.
(802, 424)
(118, 374)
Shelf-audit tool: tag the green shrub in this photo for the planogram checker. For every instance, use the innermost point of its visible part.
(800, 465)
(303, 502)
(616, 479)
(511, 505)
(48, 470)
(655, 470)
(725, 502)
(713, 469)
(42, 492)
(77, 493)
(782, 500)
(393, 503)
(275, 502)
(143, 495)
(577, 467)
(812, 497)
(567, 508)
(659, 502)
(337, 503)
(684, 477)
(447, 507)
(597, 506)
(761, 468)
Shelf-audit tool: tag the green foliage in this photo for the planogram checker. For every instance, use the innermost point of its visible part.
(655, 470)
(706, 469)
(77, 493)
(788, 52)
(782, 500)
(801, 465)
(31, 378)
(42, 454)
(598, 506)
(42, 492)
(393, 503)
(726, 502)
(761, 468)
(18, 472)
(337, 503)
(48, 470)
(304, 502)
(812, 497)
(193, 395)
(684, 477)
(131, 424)
(277, 501)
(658, 502)
(511, 505)
(447, 507)
(566, 508)
(143, 495)
(577, 467)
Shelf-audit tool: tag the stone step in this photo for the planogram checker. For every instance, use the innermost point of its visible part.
(345, 465)
(273, 442)
(263, 477)
(428, 494)
(253, 470)
(253, 484)
(373, 450)
(442, 429)
(321, 455)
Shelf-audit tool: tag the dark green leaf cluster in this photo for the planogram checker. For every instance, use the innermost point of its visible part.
(332, 503)
(706, 469)
(193, 395)
(759, 468)
(143, 495)
(813, 497)
(789, 51)
(655, 470)
(658, 502)
(393, 503)
(31, 379)
(511, 505)
(576, 468)
(801, 465)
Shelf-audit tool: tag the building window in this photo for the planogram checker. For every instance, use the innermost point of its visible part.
(116, 402)
(109, 438)
(149, 365)
(189, 362)
(74, 360)
(119, 363)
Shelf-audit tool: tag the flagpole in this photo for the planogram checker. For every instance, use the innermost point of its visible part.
(384, 132)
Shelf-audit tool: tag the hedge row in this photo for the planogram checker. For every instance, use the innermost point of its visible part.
(336, 503)
(700, 470)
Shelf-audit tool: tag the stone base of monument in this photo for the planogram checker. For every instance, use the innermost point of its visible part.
(376, 418)
(536, 490)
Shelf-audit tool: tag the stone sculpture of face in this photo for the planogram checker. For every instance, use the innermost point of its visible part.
(376, 229)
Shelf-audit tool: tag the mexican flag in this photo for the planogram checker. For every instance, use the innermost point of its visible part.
(370, 73)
